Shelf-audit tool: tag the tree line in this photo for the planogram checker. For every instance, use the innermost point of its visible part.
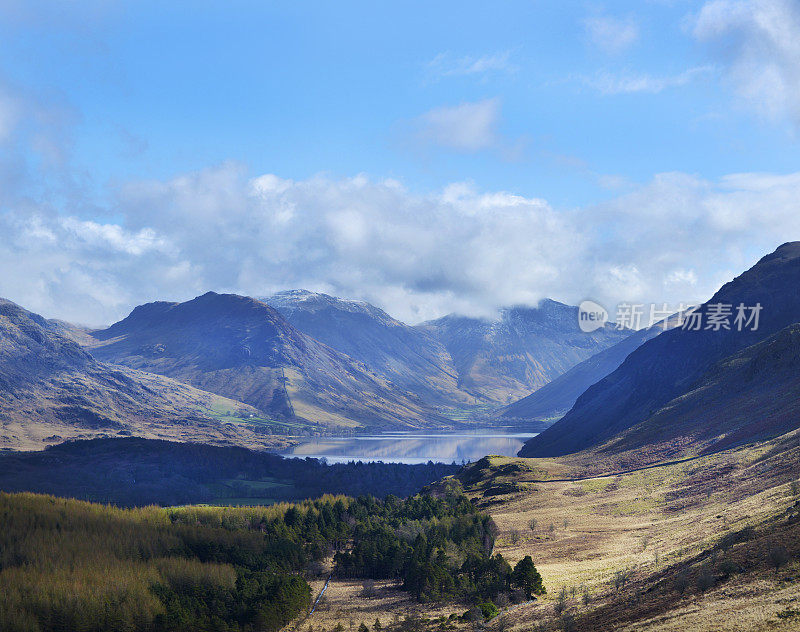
(132, 472)
(69, 565)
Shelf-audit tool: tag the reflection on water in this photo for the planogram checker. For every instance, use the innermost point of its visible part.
(413, 447)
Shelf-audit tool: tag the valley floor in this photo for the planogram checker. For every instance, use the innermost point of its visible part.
(708, 544)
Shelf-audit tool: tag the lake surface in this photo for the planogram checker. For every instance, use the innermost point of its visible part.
(413, 447)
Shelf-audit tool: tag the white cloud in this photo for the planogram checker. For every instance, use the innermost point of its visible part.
(675, 239)
(418, 255)
(610, 34)
(611, 83)
(758, 41)
(468, 127)
(448, 65)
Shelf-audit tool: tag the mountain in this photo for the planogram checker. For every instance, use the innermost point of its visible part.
(680, 361)
(241, 348)
(555, 398)
(750, 396)
(51, 389)
(506, 358)
(407, 356)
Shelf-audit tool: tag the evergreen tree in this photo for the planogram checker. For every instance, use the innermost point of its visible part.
(526, 577)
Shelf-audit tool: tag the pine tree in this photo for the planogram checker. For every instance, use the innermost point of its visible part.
(526, 577)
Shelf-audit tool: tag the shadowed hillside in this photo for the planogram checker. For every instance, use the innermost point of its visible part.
(51, 389)
(555, 398)
(673, 364)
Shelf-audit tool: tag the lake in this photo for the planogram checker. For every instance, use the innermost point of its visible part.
(413, 447)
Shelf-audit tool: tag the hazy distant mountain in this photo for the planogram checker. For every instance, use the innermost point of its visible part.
(680, 361)
(411, 358)
(51, 389)
(507, 358)
(555, 398)
(241, 348)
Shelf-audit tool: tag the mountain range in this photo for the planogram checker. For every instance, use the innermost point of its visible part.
(243, 349)
(409, 357)
(506, 358)
(234, 369)
(455, 359)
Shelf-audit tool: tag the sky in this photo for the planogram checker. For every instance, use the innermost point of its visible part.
(426, 157)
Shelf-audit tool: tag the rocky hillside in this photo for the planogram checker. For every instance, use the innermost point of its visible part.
(524, 348)
(407, 356)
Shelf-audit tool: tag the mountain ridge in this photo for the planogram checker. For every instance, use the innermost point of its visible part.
(242, 348)
(525, 347)
(52, 390)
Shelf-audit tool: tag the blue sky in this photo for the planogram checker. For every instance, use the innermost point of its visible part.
(595, 112)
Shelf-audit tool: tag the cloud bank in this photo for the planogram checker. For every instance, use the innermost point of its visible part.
(675, 239)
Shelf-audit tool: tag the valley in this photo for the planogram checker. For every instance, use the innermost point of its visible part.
(656, 486)
(400, 317)
(689, 545)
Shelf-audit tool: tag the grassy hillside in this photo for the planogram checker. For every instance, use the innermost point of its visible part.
(711, 543)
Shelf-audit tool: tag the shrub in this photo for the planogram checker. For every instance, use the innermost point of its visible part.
(561, 601)
(682, 581)
(705, 579)
(728, 567)
(567, 622)
(489, 610)
(778, 556)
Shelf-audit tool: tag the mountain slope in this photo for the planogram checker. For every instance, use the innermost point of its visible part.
(754, 395)
(521, 351)
(241, 348)
(411, 358)
(51, 389)
(555, 398)
(671, 364)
